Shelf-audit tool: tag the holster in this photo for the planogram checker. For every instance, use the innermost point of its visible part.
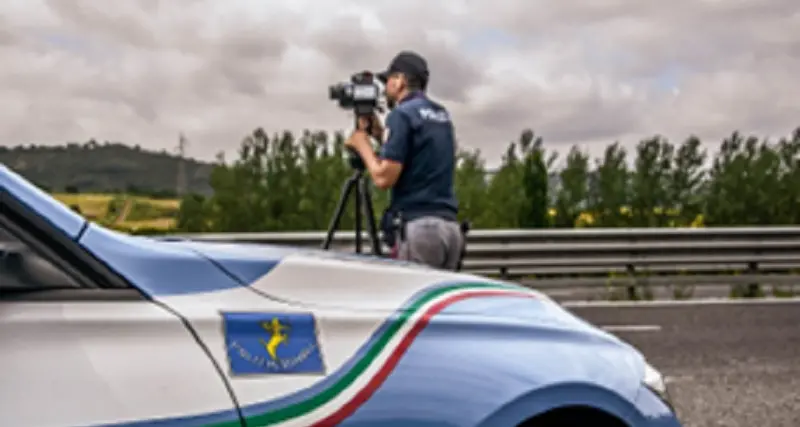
(393, 227)
(399, 225)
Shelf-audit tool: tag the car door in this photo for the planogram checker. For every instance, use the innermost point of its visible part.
(78, 348)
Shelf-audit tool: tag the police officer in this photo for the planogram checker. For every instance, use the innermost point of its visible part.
(417, 161)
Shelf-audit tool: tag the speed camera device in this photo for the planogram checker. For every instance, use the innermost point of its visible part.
(362, 94)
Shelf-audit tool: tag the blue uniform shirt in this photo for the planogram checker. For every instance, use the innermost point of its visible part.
(421, 137)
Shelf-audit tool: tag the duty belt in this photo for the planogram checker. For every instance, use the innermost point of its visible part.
(399, 225)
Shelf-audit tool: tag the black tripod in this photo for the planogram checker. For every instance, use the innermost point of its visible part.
(363, 199)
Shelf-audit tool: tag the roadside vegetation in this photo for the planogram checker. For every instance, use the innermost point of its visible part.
(288, 182)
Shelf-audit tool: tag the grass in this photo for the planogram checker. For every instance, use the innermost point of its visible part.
(93, 206)
(157, 224)
(146, 213)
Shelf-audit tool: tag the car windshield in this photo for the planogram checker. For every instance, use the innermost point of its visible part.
(5, 237)
(23, 269)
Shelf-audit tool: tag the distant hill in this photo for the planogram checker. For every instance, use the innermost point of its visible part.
(104, 168)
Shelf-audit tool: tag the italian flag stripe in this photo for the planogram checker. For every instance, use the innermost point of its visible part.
(334, 404)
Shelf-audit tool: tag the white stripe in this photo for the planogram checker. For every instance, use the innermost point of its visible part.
(678, 379)
(632, 328)
(677, 303)
(378, 363)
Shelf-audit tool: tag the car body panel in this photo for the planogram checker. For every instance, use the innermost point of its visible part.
(350, 327)
(369, 342)
(652, 411)
(155, 268)
(83, 363)
(246, 263)
(467, 371)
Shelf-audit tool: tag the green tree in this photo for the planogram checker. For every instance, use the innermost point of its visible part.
(788, 199)
(193, 214)
(687, 185)
(609, 191)
(571, 198)
(649, 198)
(534, 175)
(242, 201)
(506, 193)
(744, 183)
(472, 189)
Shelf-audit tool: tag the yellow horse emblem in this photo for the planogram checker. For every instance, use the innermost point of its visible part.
(278, 336)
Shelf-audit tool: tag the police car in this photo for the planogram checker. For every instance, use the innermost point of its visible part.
(102, 328)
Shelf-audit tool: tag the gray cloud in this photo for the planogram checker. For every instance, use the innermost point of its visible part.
(576, 72)
(7, 38)
(126, 24)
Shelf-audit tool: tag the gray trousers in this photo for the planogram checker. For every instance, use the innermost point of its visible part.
(432, 241)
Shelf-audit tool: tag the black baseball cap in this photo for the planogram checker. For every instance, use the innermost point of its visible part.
(409, 63)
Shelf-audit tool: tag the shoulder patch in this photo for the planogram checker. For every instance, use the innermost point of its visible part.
(431, 114)
(272, 343)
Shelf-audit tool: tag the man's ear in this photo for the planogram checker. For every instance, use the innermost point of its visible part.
(402, 83)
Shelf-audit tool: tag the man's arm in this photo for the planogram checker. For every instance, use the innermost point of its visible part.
(385, 170)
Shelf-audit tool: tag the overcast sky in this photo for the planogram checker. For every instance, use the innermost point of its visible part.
(586, 72)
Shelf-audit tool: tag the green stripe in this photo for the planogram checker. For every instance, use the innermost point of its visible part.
(306, 406)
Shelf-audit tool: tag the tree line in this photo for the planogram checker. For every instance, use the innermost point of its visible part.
(283, 182)
(108, 167)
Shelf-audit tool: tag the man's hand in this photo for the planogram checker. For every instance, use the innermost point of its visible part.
(376, 130)
(358, 141)
(384, 172)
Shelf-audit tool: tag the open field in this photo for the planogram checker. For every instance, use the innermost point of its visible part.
(124, 211)
(137, 212)
(93, 206)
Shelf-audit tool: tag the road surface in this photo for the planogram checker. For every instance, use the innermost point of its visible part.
(727, 364)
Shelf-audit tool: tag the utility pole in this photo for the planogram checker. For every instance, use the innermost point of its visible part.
(181, 181)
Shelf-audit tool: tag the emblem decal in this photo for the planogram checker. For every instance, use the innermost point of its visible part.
(272, 343)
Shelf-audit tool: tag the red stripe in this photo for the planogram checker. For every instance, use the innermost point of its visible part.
(350, 407)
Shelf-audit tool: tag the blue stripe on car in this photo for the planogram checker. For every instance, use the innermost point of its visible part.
(55, 212)
(160, 268)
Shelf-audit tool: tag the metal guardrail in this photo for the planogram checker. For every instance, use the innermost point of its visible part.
(601, 257)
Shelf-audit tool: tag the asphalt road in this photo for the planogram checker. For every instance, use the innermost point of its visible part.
(659, 292)
(727, 364)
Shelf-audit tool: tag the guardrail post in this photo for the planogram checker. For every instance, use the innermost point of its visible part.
(631, 288)
(504, 270)
(753, 289)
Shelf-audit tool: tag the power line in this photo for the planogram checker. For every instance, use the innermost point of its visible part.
(181, 179)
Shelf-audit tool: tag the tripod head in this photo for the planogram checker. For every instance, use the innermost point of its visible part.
(355, 160)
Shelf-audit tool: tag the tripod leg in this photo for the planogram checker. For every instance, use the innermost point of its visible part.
(337, 216)
(359, 196)
(370, 214)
